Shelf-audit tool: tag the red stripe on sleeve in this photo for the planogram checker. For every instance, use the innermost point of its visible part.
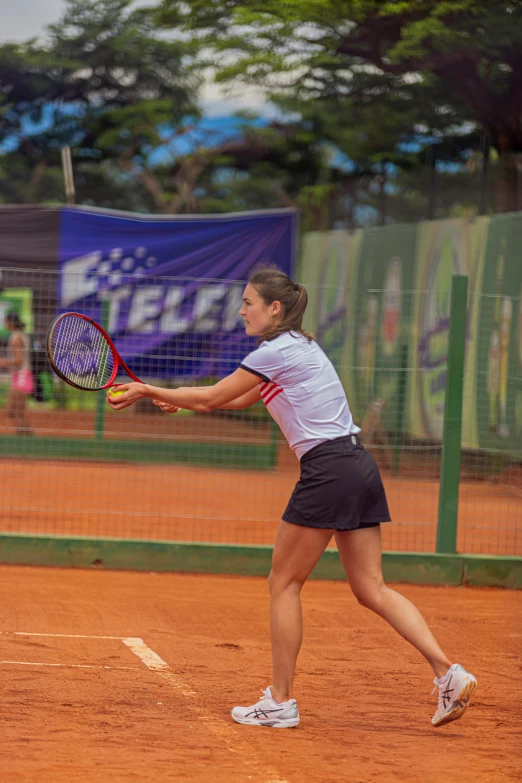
(271, 394)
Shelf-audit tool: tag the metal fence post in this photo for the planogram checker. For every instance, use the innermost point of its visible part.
(452, 435)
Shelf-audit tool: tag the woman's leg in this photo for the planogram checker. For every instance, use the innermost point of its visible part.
(296, 551)
(23, 426)
(13, 406)
(16, 410)
(361, 555)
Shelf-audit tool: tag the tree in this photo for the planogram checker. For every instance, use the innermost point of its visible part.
(104, 83)
(263, 168)
(108, 86)
(22, 183)
(467, 53)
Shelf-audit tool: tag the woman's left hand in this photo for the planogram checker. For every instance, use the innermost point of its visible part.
(132, 392)
(165, 406)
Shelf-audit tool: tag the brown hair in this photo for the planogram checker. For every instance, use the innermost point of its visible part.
(14, 319)
(272, 285)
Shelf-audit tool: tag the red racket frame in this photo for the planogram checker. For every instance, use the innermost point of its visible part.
(118, 361)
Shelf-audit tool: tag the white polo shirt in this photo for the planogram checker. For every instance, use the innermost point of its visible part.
(301, 390)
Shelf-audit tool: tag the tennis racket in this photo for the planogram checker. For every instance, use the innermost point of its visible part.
(82, 354)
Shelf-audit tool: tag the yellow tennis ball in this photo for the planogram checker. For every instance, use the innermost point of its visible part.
(115, 392)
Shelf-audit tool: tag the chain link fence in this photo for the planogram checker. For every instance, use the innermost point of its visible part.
(81, 468)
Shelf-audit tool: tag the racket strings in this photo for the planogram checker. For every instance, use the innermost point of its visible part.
(81, 353)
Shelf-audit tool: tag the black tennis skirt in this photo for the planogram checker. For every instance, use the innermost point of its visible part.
(340, 488)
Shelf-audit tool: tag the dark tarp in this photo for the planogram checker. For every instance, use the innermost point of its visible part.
(29, 237)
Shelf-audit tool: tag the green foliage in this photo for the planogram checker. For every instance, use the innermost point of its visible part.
(19, 182)
(467, 50)
(366, 87)
(383, 80)
(103, 83)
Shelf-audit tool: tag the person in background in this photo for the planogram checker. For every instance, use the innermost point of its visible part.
(22, 382)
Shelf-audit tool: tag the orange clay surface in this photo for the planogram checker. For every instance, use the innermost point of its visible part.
(363, 693)
(186, 503)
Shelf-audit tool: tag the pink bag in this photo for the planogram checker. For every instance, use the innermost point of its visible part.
(23, 381)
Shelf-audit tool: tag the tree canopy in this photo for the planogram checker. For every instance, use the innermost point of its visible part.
(324, 48)
(105, 82)
(459, 61)
(369, 92)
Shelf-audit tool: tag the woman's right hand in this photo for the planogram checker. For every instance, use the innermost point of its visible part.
(165, 407)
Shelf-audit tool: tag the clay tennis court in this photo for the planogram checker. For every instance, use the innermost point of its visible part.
(87, 709)
(184, 503)
(131, 676)
(180, 502)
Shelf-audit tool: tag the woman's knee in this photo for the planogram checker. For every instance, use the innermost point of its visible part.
(278, 582)
(370, 594)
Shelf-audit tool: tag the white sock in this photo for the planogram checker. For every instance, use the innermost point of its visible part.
(442, 680)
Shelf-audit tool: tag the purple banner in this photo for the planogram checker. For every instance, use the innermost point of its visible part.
(172, 286)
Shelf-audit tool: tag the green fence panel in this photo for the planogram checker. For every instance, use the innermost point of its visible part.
(383, 317)
(498, 398)
(451, 444)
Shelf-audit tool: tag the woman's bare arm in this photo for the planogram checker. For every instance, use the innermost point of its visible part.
(245, 401)
(192, 398)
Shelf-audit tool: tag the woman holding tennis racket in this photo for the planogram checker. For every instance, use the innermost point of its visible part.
(340, 492)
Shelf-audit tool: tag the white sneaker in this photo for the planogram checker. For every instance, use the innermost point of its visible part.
(455, 690)
(267, 712)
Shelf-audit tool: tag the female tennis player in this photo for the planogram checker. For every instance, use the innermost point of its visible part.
(340, 492)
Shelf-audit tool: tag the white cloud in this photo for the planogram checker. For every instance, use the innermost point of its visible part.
(25, 19)
(218, 100)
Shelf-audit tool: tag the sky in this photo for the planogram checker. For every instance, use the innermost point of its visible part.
(23, 19)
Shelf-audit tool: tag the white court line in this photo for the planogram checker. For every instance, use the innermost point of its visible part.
(61, 635)
(224, 730)
(152, 661)
(145, 654)
(71, 665)
(217, 726)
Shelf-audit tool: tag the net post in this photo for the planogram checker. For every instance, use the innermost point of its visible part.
(99, 422)
(452, 433)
